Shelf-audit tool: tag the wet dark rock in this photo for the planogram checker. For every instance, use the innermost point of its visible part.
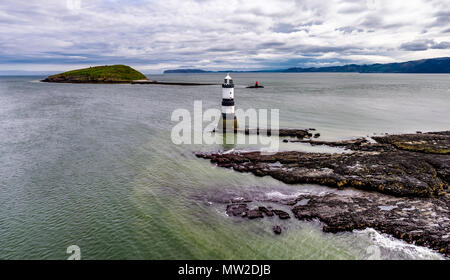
(409, 173)
(430, 143)
(242, 210)
(298, 133)
(281, 214)
(419, 221)
(392, 166)
(277, 230)
(239, 210)
(254, 214)
(424, 222)
(267, 212)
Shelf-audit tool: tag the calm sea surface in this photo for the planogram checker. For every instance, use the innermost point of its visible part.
(94, 165)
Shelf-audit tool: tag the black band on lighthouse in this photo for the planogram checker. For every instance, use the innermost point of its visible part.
(227, 102)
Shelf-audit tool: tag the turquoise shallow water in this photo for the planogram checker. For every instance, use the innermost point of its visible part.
(93, 165)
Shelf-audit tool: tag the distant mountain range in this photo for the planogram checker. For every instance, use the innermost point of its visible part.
(433, 65)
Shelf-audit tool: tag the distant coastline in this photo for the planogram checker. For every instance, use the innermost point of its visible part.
(425, 66)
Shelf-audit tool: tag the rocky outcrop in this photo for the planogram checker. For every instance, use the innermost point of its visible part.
(420, 221)
(430, 143)
(387, 166)
(242, 210)
(424, 222)
(285, 132)
(276, 229)
(407, 177)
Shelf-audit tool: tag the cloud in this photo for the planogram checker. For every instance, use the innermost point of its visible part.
(441, 18)
(423, 45)
(211, 34)
(441, 46)
(418, 45)
(349, 29)
(284, 28)
(353, 7)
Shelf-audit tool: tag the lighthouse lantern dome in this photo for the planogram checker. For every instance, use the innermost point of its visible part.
(228, 79)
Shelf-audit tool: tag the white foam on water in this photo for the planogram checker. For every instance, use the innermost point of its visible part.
(306, 189)
(395, 248)
(308, 148)
(276, 164)
(279, 195)
(387, 207)
(371, 140)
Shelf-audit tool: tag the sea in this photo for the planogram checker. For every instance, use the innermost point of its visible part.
(95, 166)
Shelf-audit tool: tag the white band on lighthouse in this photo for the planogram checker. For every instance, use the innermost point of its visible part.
(227, 109)
(227, 93)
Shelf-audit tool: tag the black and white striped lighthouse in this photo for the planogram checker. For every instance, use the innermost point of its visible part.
(228, 121)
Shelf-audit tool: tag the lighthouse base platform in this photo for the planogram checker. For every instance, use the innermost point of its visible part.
(228, 123)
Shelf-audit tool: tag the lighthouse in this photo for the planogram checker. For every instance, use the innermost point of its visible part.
(228, 121)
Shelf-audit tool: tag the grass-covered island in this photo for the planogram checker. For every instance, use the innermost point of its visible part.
(98, 74)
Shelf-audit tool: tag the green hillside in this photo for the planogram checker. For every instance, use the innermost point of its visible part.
(98, 74)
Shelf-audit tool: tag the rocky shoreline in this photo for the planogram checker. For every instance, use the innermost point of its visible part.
(419, 221)
(403, 182)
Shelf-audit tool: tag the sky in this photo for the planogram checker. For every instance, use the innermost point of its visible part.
(153, 35)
